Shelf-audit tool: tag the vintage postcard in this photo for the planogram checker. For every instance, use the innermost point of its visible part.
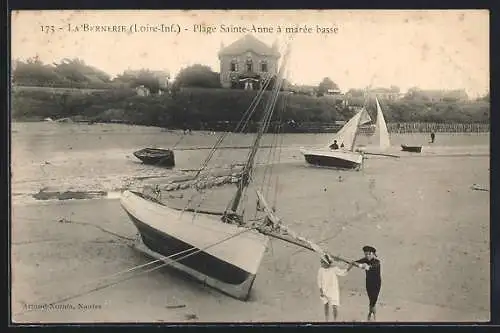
(250, 166)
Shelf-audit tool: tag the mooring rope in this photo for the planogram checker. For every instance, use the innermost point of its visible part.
(68, 221)
(65, 299)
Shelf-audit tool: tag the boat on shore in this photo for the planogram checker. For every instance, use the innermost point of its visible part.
(197, 246)
(156, 156)
(411, 149)
(222, 249)
(340, 153)
(343, 156)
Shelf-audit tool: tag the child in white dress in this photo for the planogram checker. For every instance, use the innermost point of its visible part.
(329, 285)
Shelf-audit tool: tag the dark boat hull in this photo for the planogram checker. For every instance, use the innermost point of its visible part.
(173, 237)
(201, 261)
(411, 149)
(153, 156)
(330, 162)
(333, 159)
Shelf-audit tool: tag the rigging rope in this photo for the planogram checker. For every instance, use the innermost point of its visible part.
(80, 223)
(280, 145)
(243, 123)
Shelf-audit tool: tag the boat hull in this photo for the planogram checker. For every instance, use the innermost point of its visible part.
(339, 159)
(153, 156)
(412, 149)
(223, 256)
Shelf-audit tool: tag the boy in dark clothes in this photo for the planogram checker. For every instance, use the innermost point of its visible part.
(373, 278)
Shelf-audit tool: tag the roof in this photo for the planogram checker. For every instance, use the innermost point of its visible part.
(249, 43)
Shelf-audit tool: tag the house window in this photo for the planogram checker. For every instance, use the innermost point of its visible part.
(234, 66)
(263, 67)
(249, 66)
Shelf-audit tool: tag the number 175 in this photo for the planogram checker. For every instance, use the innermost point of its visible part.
(48, 28)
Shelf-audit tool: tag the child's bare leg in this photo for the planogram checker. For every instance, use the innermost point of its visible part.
(335, 312)
(327, 312)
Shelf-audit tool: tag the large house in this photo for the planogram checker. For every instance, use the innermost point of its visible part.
(247, 62)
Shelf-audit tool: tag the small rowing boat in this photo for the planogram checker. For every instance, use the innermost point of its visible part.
(156, 156)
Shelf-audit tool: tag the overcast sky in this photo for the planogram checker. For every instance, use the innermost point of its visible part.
(429, 49)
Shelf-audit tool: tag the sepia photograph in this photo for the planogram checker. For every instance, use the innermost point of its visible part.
(250, 166)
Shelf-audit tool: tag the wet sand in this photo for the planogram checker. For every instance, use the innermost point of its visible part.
(430, 228)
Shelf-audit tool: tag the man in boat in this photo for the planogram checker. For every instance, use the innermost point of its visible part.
(371, 265)
(329, 285)
(334, 145)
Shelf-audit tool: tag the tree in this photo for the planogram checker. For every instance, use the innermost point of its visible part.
(325, 85)
(356, 92)
(149, 80)
(67, 73)
(413, 92)
(198, 76)
(34, 72)
(136, 78)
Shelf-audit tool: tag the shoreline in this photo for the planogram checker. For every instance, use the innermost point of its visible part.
(56, 193)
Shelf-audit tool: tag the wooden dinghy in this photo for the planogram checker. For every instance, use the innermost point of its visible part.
(411, 149)
(156, 156)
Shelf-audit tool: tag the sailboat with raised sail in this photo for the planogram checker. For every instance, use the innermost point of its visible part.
(221, 249)
(344, 156)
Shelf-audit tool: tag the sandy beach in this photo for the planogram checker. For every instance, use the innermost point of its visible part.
(430, 228)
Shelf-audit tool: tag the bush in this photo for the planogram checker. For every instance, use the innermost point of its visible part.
(197, 107)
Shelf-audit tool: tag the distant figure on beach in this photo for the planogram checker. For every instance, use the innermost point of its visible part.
(373, 279)
(329, 285)
(342, 145)
(433, 136)
(334, 145)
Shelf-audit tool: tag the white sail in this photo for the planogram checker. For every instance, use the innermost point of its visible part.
(347, 134)
(381, 130)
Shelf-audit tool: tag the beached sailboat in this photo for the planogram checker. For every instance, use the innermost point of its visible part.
(221, 249)
(344, 157)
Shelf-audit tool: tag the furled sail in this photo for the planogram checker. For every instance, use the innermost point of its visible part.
(347, 134)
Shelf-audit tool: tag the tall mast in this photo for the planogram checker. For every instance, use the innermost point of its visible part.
(243, 183)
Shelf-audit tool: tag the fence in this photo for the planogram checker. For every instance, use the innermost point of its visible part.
(414, 127)
(314, 127)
